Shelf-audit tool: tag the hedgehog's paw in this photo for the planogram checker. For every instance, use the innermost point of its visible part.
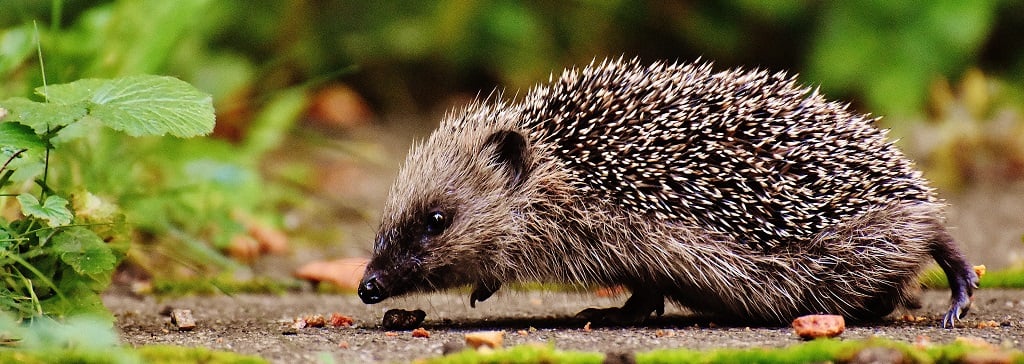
(482, 292)
(957, 310)
(963, 286)
(611, 316)
(638, 308)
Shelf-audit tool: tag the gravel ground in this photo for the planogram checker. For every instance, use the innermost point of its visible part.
(255, 324)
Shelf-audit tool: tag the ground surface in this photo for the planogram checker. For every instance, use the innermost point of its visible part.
(254, 324)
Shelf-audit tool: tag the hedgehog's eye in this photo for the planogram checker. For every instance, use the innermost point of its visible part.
(435, 222)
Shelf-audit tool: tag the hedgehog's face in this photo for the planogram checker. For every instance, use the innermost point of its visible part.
(446, 217)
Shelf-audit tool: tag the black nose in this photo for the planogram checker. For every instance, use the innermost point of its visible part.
(370, 289)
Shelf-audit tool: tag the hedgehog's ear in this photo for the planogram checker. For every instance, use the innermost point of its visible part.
(508, 148)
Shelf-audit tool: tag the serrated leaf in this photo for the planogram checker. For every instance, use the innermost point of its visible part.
(42, 116)
(84, 251)
(54, 209)
(141, 105)
(19, 136)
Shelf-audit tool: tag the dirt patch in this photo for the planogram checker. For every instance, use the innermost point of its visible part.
(256, 324)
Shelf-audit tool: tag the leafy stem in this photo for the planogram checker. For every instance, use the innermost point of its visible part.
(46, 173)
(54, 229)
(11, 159)
(6, 176)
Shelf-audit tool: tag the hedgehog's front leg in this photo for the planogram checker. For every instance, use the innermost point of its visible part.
(637, 308)
(482, 291)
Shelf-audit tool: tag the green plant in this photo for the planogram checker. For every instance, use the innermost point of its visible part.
(185, 200)
(62, 247)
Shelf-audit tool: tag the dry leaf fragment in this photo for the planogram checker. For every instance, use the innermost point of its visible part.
(492, 339)
(338, 319)
(344, 273)
(421, 332)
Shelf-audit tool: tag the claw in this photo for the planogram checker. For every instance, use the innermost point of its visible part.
(949, 320)
(956, 312)
(482, 292)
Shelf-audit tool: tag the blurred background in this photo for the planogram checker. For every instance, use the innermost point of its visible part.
(317, 101)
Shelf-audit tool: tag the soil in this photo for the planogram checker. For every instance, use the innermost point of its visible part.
(258, 324)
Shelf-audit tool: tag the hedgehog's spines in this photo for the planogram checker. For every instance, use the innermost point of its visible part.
(752, 99)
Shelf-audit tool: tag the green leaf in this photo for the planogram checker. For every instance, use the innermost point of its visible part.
(85, 252)
(19, 136)
(82, 332)
(54, 209)
(141, 105)
(74, 92)
(16, 44)
(80, 300)
(41, 116)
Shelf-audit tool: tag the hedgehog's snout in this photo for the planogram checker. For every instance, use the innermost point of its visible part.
(370, 289)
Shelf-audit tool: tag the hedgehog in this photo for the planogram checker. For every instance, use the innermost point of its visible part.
(737, 193)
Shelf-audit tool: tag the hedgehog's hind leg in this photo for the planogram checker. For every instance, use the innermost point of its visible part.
(636, 309)
(959, 273)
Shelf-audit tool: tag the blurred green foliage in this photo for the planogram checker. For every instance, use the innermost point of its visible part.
(890, 51)
(261, 58)
(411, 55)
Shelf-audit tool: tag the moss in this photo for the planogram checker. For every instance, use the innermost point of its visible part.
(144, 354)
(67, 356)
(179, 354)
(520, 354)
(824, 350)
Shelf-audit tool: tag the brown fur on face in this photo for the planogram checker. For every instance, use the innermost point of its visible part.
(472, 185)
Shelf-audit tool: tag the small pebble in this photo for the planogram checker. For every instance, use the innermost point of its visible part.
(315, 321)
(420, 332)
(396, 319)
(817, 326)
(183, 320)
(338, 320)
(493, 339)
